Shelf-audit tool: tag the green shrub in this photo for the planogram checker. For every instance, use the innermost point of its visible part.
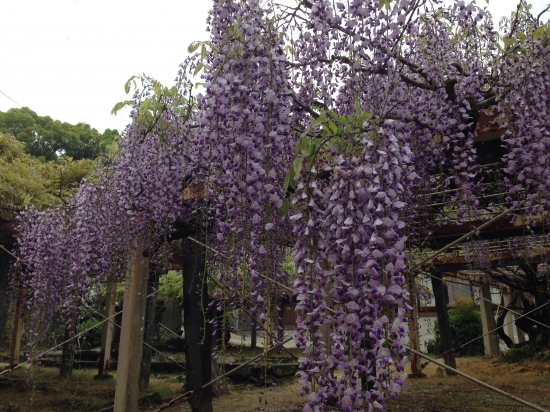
(465, 321)
(518, 354)
(93, 336)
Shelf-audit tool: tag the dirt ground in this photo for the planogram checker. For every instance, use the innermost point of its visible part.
(21, 391)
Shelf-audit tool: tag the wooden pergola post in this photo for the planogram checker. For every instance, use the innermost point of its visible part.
(108, 329)
(490, 341)
(506, 299)
(131, 337)
(18, 321)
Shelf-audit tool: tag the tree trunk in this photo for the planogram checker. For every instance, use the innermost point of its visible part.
(198, 331)
(441, 299)
(67, 357)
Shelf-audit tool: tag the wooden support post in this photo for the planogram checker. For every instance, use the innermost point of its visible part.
(6, 261)
(18, 321)
(155, 271)
(412, 316)
(521, 334)
(506, 298)
(131, 336)
(198, 330)
(441, 299)
(490, 341)
(253, 337)
(107, 332)
(281, 321)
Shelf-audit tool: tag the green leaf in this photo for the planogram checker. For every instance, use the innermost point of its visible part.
(144, 106)
(538, 33)
(302, 143)
(203, 51)
(333, 127)
(283, 210)
(158, 89)
(319, 120)
(297, 165)
(289, 178)
(197, 85)
(198, 68)
(193, 46)
(384, 3)
(127, 85)
(291, 50)
(333, 115)
(120, 105)
(312, 153)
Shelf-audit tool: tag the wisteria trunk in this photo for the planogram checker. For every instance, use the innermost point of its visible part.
(441, 300)
(198, 330)
(66, 366)
(150, 311)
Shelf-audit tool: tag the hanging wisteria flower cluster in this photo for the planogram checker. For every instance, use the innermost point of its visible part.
(351, 256)
(524, 88)
(246, 143)
(136, 195)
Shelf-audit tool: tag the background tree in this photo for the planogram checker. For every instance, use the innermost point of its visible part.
(49, 139)
(26, 180)
(465, 320)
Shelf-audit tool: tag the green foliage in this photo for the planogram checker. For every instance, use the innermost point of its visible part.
(171, 287)
(151, 108)
(465, 321)
(108, 139)
(528, 351)
(93, 336)
(25, 179)
(329, 131)
(50, 139)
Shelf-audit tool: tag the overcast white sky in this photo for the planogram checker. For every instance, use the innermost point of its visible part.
(69, 59)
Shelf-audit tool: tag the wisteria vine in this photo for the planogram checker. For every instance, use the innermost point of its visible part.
(324, 127)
